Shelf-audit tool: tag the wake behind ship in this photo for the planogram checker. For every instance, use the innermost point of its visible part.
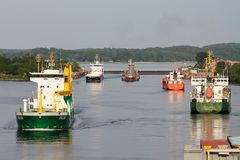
(53, 107)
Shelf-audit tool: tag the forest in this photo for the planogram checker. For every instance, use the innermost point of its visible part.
(229, 51)
(18, 68)
(15, 64)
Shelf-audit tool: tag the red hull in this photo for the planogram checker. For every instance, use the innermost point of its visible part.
(172, 86)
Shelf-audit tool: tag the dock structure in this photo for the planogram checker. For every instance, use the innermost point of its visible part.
(228, 149)
(191, 153)
(141, 71)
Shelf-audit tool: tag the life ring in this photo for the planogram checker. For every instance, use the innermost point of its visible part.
(194, 95)
(226, 92)
(209, 92)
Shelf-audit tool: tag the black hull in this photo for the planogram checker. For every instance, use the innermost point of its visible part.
(94, 79)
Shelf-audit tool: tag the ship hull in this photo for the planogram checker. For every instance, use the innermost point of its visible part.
(175, 86)
(46, 121)
(223, 107)
(130, 79)
(94, 79)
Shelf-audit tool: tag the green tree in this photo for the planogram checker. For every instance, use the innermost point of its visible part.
(200, 59)
(234, 73)
(220, 67)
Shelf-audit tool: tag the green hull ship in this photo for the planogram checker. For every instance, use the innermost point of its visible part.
(210, 94)
(223, 107)
(44, 121)
(53, 109)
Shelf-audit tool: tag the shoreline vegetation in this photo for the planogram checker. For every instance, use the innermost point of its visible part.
(230, 51)
(15, 64)
(9, 77)
(18, 68)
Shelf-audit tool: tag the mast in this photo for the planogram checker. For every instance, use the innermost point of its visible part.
(38, 61)
(210, 64)
(96, 58)
(51, 59)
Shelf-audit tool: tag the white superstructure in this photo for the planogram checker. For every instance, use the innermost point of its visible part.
(218, 86)
(174, 77)
(96, 72)
(49, 82)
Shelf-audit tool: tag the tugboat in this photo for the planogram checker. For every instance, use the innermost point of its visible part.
(96, 72)
(210, 94)
(53, 109)
(173, 81)
(131, 74)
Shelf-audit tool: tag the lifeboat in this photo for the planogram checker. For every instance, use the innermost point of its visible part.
(209, 93)
(226, 92)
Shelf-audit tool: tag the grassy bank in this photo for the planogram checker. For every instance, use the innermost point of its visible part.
(8, 77)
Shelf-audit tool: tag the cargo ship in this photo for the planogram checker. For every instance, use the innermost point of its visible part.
(96, 72)
(131, 74)
(53, 107)
(214, 149)
(210, 93)
(173, 81)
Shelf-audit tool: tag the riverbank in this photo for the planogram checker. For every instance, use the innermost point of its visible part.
(9, 77)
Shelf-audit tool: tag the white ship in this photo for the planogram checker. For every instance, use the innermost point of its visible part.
(96, 72)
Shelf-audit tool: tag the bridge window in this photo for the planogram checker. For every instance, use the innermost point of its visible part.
(66, 79)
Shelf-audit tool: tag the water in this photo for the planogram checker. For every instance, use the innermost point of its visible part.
(115, 120)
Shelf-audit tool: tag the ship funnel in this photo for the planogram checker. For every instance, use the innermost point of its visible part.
(38, 61)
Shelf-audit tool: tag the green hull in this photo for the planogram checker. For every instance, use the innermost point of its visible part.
(45, 121)
(210, 107)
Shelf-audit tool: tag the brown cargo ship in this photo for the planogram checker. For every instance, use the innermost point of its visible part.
(131, 74)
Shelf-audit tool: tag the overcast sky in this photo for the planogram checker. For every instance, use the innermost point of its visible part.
(77, 24)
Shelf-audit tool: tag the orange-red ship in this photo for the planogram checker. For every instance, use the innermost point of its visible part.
(173, 81)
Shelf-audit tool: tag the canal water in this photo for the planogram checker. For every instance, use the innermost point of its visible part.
(115, 120)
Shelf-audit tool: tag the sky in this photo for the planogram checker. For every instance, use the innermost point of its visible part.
(76, 24)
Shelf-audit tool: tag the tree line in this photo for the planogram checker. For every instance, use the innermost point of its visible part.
(233, 71)
(229, 51)
(19, 67)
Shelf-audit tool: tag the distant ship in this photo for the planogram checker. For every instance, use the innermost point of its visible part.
(96, 72)
(53, 107)
(210, 94)
(173, 81)
(131, 74)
